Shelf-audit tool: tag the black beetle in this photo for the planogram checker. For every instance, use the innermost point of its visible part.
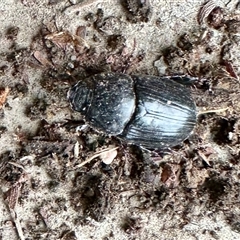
(149, 111)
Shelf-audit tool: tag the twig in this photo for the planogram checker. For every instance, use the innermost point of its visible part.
(213, 111)
(17, 165)
(17, 224)
(95, 156)
(76, 7)
(204, 158)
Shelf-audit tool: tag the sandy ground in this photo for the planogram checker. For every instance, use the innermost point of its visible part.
(191, 192)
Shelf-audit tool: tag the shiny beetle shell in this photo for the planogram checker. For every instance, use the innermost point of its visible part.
(149, 111)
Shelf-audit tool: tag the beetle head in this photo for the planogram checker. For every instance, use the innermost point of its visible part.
(80, 97)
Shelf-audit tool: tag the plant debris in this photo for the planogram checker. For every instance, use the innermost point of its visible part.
(3, 96)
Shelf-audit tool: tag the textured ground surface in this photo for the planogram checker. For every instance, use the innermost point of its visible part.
(192, 192)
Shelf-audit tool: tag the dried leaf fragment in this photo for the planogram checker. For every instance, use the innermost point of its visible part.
(62, 39)
(205, 11)
(170, 175)
(108, 156)
(42, 58)
(3, 96)
(230, 69)
(13, 193)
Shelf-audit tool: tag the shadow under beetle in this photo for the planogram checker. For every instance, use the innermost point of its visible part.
(148, 111)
